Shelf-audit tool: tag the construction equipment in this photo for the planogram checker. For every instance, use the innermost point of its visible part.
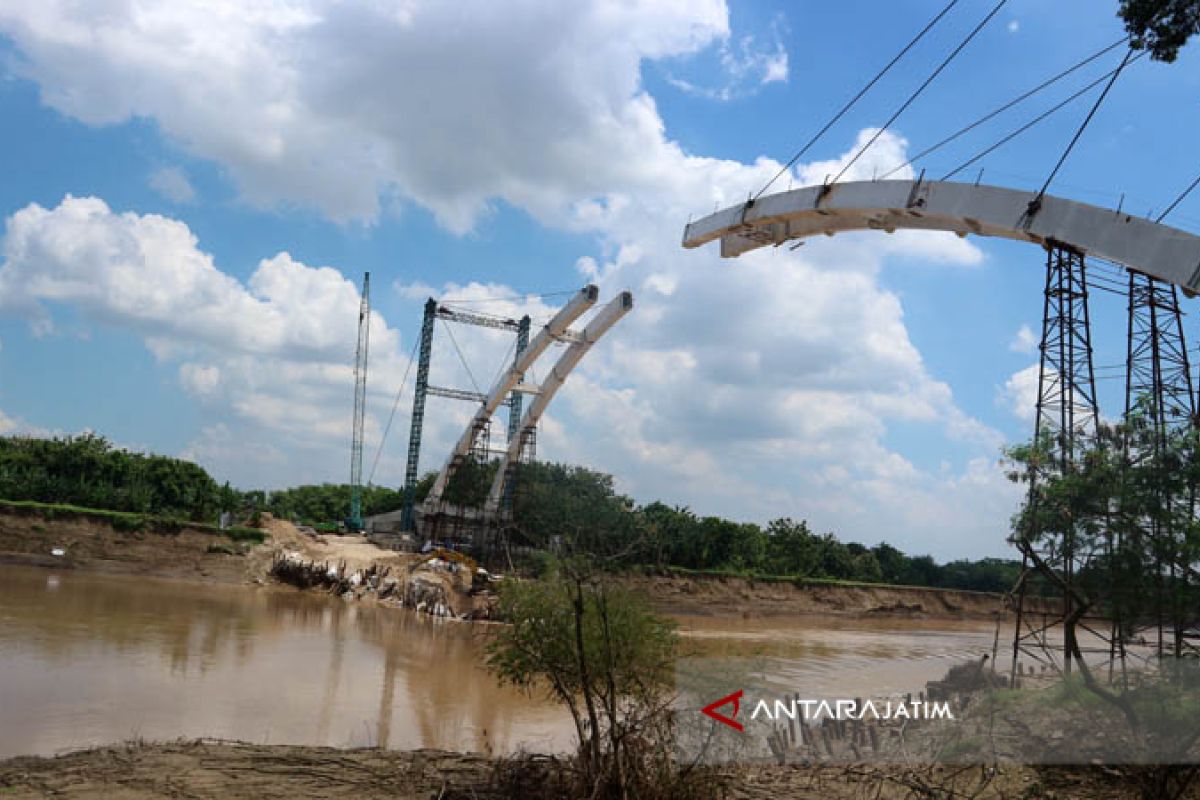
(354, 521)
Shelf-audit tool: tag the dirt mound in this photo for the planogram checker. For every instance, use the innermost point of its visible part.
(354, 552)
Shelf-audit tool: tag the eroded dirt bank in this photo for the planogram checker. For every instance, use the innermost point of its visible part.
(213, 769)
(743, 597)
(89, 544)
(196, 554)
(190, 553)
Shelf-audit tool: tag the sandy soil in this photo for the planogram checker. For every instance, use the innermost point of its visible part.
(92, 545)
(355, 551)
(95, 546)
(207, 769)
(212, 769)
(741, 597)
(193, 554)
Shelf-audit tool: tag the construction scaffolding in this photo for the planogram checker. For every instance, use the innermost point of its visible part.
(479, 444)
(1159, 390)
(416, 427)
(1049, 622)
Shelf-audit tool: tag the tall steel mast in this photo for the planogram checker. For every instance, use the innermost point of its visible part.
(355, 521)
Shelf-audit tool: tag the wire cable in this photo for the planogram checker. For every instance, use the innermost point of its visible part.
(1095, 107)
(461, 358)
(912, 97)
(509, 298)
(912, 43)
(506, 361)
(1179, 199)
(997, 112)
(1039, 118)
(395, 404)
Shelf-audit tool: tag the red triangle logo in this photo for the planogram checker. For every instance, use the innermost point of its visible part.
(710, 710)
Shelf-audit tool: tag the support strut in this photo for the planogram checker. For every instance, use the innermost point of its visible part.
(1067, 420)
(1160, 390)
(418, 414)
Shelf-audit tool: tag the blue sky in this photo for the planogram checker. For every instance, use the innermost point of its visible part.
(865, 383)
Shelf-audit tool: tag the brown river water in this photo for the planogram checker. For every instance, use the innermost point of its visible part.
(89, 659)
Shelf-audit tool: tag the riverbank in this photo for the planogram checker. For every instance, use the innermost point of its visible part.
(702, 595)
(190, 552)
(31, 536)
(220, 769)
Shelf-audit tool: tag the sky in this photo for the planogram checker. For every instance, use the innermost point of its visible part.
(191, 193)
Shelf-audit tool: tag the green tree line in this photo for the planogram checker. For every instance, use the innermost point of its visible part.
(552, 503)
(89, 471)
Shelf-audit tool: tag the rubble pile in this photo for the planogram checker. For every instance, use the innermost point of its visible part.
(443, 584)
(291, 568)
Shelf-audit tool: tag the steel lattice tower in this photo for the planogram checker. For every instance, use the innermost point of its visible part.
(1159, 386)
(1067, 419)
(420, 391)
(514, 418)
(514, 397)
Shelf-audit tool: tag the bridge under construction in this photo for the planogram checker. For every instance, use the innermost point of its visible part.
(1160, 263)
(438, 515)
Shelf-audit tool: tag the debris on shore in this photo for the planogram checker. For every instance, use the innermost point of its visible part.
(441, 584)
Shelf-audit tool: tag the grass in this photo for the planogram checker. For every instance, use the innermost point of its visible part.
(125, 521)
(799, 581)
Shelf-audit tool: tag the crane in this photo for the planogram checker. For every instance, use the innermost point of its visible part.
(354, 522)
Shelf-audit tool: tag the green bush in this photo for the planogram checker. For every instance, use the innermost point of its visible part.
(127, 522)
(240, 534)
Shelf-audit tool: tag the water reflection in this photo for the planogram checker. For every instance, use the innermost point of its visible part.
(91, 659)
(87, 659)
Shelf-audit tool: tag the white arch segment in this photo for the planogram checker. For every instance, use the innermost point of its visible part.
(1157, 250)
(600, 324)
(553, 330)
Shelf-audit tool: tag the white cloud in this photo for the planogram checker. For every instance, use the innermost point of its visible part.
(15, 426)
(199, 379)
(759, 387)
(278, 347)
(776, 67)
(1020, 393)
(173, 184)
(311, 102)
(1024, 341)
(147, 271)
(1014, 26)
(745, 65)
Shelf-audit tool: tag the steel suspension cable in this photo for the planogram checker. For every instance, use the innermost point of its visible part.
(1083, 126)
(508, 298)
(913, 97)
(1179, 199)
(998, 111)
(1039, 118)
(879, 75)
(395, 404)
(462, 358)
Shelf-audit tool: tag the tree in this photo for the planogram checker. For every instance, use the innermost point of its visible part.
(603, 654)
(1161, 26)
(792, 549)
(558, 500)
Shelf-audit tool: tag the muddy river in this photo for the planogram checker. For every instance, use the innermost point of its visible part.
(90, 659)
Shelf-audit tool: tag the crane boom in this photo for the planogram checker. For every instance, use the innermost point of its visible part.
(354, 521)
